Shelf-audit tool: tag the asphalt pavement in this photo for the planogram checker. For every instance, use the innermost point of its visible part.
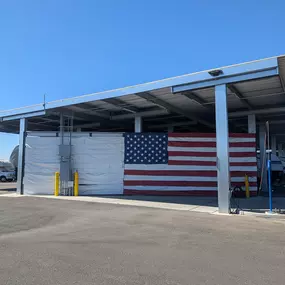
(47, 241)
(7, 187)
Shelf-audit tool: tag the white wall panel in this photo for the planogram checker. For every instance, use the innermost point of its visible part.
(42, 161)
(100, 162)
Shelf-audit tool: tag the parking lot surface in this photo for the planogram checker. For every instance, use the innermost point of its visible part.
(46, 241)
(7, 186)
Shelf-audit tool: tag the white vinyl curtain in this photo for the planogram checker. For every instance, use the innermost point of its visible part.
(99, 159)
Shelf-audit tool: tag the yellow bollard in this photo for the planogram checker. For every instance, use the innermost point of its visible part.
(76, 184)
(246, 182)
(56, 184)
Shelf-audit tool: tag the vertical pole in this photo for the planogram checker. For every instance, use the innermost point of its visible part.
(61, 128)
(138, 124)
(273, 144)
(269, 167)
(251, 124)
(263, 158)
(222, 138)
(269, 184)
(280, 149)
(21, 156)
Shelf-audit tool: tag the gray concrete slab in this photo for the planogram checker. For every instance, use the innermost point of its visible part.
(53, 241)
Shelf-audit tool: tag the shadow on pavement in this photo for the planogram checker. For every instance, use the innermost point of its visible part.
(258, 204)
(186, 200)
(8, 187)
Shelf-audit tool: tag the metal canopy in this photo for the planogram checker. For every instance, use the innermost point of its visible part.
(186, 102)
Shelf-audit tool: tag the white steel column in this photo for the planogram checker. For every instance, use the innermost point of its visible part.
(21, 155)
(138, 124)
(251, 124)
(263, 158)
(273, 144)
(280, 149)
(222, 137)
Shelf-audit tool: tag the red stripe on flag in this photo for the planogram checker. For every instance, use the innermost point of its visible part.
(209, 135)
(191, 162)
(202, 173)
(209, 154)
(207, 193)
(242, 154)
(241, 184)
(169, 183)
(242, 144)
(191, 144)
(192, 135)
(243, 173)
(237, 135)
(207, 163)
(171, 193)
(208, 144)
(192, 153)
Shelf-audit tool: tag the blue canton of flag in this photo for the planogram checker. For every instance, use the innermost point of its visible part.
(144, 148)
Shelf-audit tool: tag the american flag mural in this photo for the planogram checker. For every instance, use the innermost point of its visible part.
(184, 163)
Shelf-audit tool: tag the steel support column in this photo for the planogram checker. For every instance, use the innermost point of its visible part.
(273, 144)
(222, 137)
(251, 124)
(21, 156)
(138, 124)
(263, 158)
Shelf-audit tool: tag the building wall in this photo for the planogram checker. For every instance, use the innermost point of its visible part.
(99, 159)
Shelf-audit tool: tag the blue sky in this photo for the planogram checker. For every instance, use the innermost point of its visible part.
(68, 48)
